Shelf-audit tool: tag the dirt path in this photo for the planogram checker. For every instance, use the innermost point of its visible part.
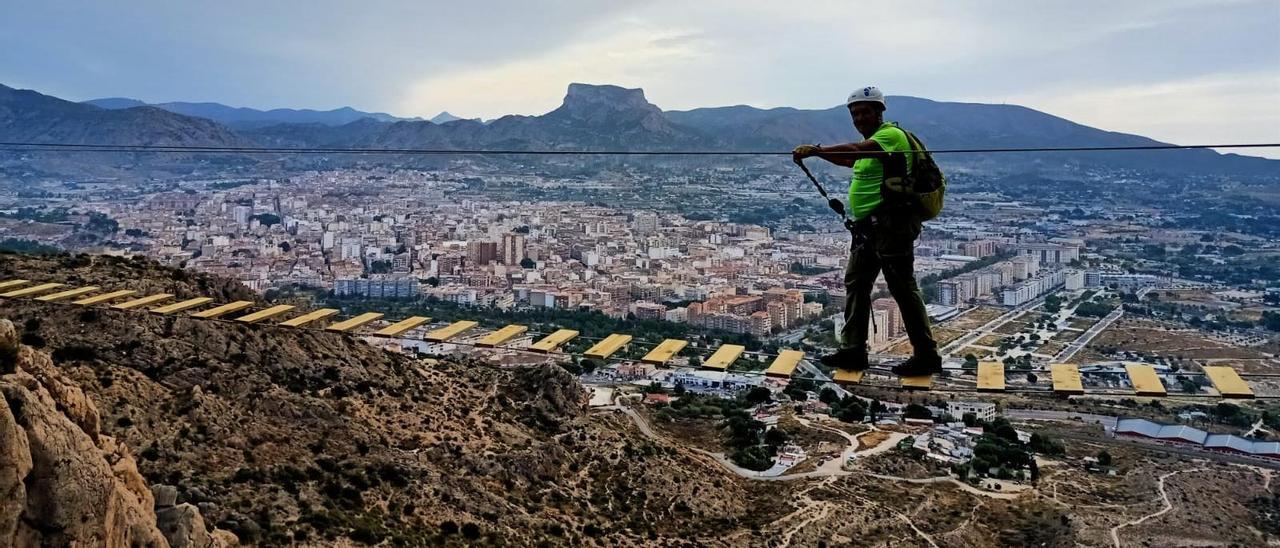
(816, 510)
(1164, 496)
(948, 479)
(826, 471)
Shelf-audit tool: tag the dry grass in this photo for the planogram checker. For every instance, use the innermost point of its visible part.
(975, 318)
(1011, 327)
(872, 439)
(980, 353)
(1147, 336)
(1082, 323)
(942, 335)
(1065, 336)
(815, 441)
(1051, 348)
(989, 340)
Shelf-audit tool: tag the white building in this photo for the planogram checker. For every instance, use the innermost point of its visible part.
(1075, 280)
(983, 410)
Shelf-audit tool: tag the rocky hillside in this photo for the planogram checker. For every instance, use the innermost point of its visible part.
(280, 435)
(63, 481)
(29, 116)
(285, 436)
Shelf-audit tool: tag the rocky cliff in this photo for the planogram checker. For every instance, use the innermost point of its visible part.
(62, 481)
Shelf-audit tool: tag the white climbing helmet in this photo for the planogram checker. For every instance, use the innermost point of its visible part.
(868, 94)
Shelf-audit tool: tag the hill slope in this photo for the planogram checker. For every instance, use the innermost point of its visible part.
(28, 116)
(245, 118)
(286, 435)
(949, 125)
(63, 481)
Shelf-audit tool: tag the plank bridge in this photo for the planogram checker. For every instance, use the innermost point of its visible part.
(990, 377)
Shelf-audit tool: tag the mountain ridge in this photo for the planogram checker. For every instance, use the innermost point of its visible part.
(247, 118)
(30, 116)
(608, 117)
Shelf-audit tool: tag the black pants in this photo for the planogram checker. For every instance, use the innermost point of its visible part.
(885, 241)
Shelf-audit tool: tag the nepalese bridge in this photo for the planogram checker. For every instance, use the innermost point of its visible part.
(987, 377)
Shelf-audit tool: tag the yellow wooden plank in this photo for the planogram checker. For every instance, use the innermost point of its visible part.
(105, 297)
(144, 301)
(1145, 380)
(553, 341)
(724, 357)
(402, 326)
(67, 294)
(31, 290)
(663, 353)
(12, 283)
(919, 382)
(450, 331)
(502, 335)
(848, 376)
(181, 305)
(309, 317)
(219, 311)
(785, 364)
(1228, 382)
(1066, 378)
(990, 376)
(603, 349)
(264, 314)
(352, 323)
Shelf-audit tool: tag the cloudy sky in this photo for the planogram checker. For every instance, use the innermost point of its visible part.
(1176, 70)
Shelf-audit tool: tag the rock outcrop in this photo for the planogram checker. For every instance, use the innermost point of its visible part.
(64, 483)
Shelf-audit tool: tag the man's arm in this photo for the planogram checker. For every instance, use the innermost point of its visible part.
(842, 155)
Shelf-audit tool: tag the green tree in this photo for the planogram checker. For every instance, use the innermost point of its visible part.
(776, 437)
(527, 263)
(828, 396)
(917, 411)
(1271, 320)
(758, 395)
(1045, 445)
(752, 458)
(851, 413)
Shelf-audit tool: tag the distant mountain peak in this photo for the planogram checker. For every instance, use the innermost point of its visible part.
(445, 117)
(606, 94)
(608, 105)
(114, 103)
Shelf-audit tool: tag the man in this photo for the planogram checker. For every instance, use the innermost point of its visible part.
(884, 234)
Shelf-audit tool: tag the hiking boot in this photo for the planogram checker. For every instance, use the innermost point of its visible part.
(916, 366)
(853, 358)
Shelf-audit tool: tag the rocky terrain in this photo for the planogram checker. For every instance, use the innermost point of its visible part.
(281, 436)
(64, 482)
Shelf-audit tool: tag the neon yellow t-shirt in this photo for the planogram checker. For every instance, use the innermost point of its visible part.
(868, 173)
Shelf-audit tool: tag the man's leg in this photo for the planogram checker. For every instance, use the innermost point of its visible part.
(899, 274)
(860, 274)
